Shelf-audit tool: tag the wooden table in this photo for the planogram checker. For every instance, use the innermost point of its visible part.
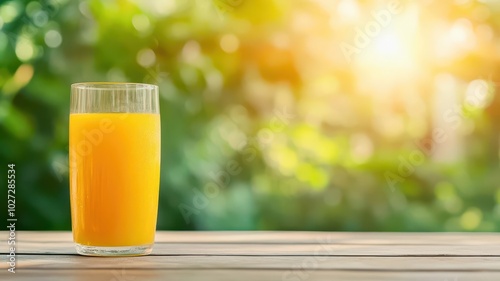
(294, 256)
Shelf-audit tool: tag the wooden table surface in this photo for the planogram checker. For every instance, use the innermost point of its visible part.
(294, 256)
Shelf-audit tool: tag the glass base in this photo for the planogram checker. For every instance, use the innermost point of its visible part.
(141, 250)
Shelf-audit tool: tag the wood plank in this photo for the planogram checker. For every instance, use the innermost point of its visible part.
(260, 263)
(268, 256)
(298, 237)
(223, 275)
(288, 237)
(320, 249)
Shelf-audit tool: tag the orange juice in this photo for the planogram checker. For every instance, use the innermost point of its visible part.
(114, 178)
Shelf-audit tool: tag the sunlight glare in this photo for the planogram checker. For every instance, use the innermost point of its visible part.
(348, 10)
(390, 51)
(389, 46)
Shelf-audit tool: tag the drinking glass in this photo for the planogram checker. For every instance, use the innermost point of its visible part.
(114, 152)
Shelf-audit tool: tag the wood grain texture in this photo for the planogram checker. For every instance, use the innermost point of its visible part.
(258, 263)
(319, 249)
(289, 243)
(289, 237)
(230, 275)
(295, 256)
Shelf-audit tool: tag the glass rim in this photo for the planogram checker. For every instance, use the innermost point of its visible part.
(113, 85)
(107, 97)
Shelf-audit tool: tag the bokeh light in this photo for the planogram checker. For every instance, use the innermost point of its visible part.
(364, 115)
(146, 57)
(229, 43)
(53, 38)
(24, 48)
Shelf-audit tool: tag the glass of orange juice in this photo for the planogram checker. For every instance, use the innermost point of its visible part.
(114, 151)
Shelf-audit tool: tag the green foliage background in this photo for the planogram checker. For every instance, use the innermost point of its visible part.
(259, 88)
